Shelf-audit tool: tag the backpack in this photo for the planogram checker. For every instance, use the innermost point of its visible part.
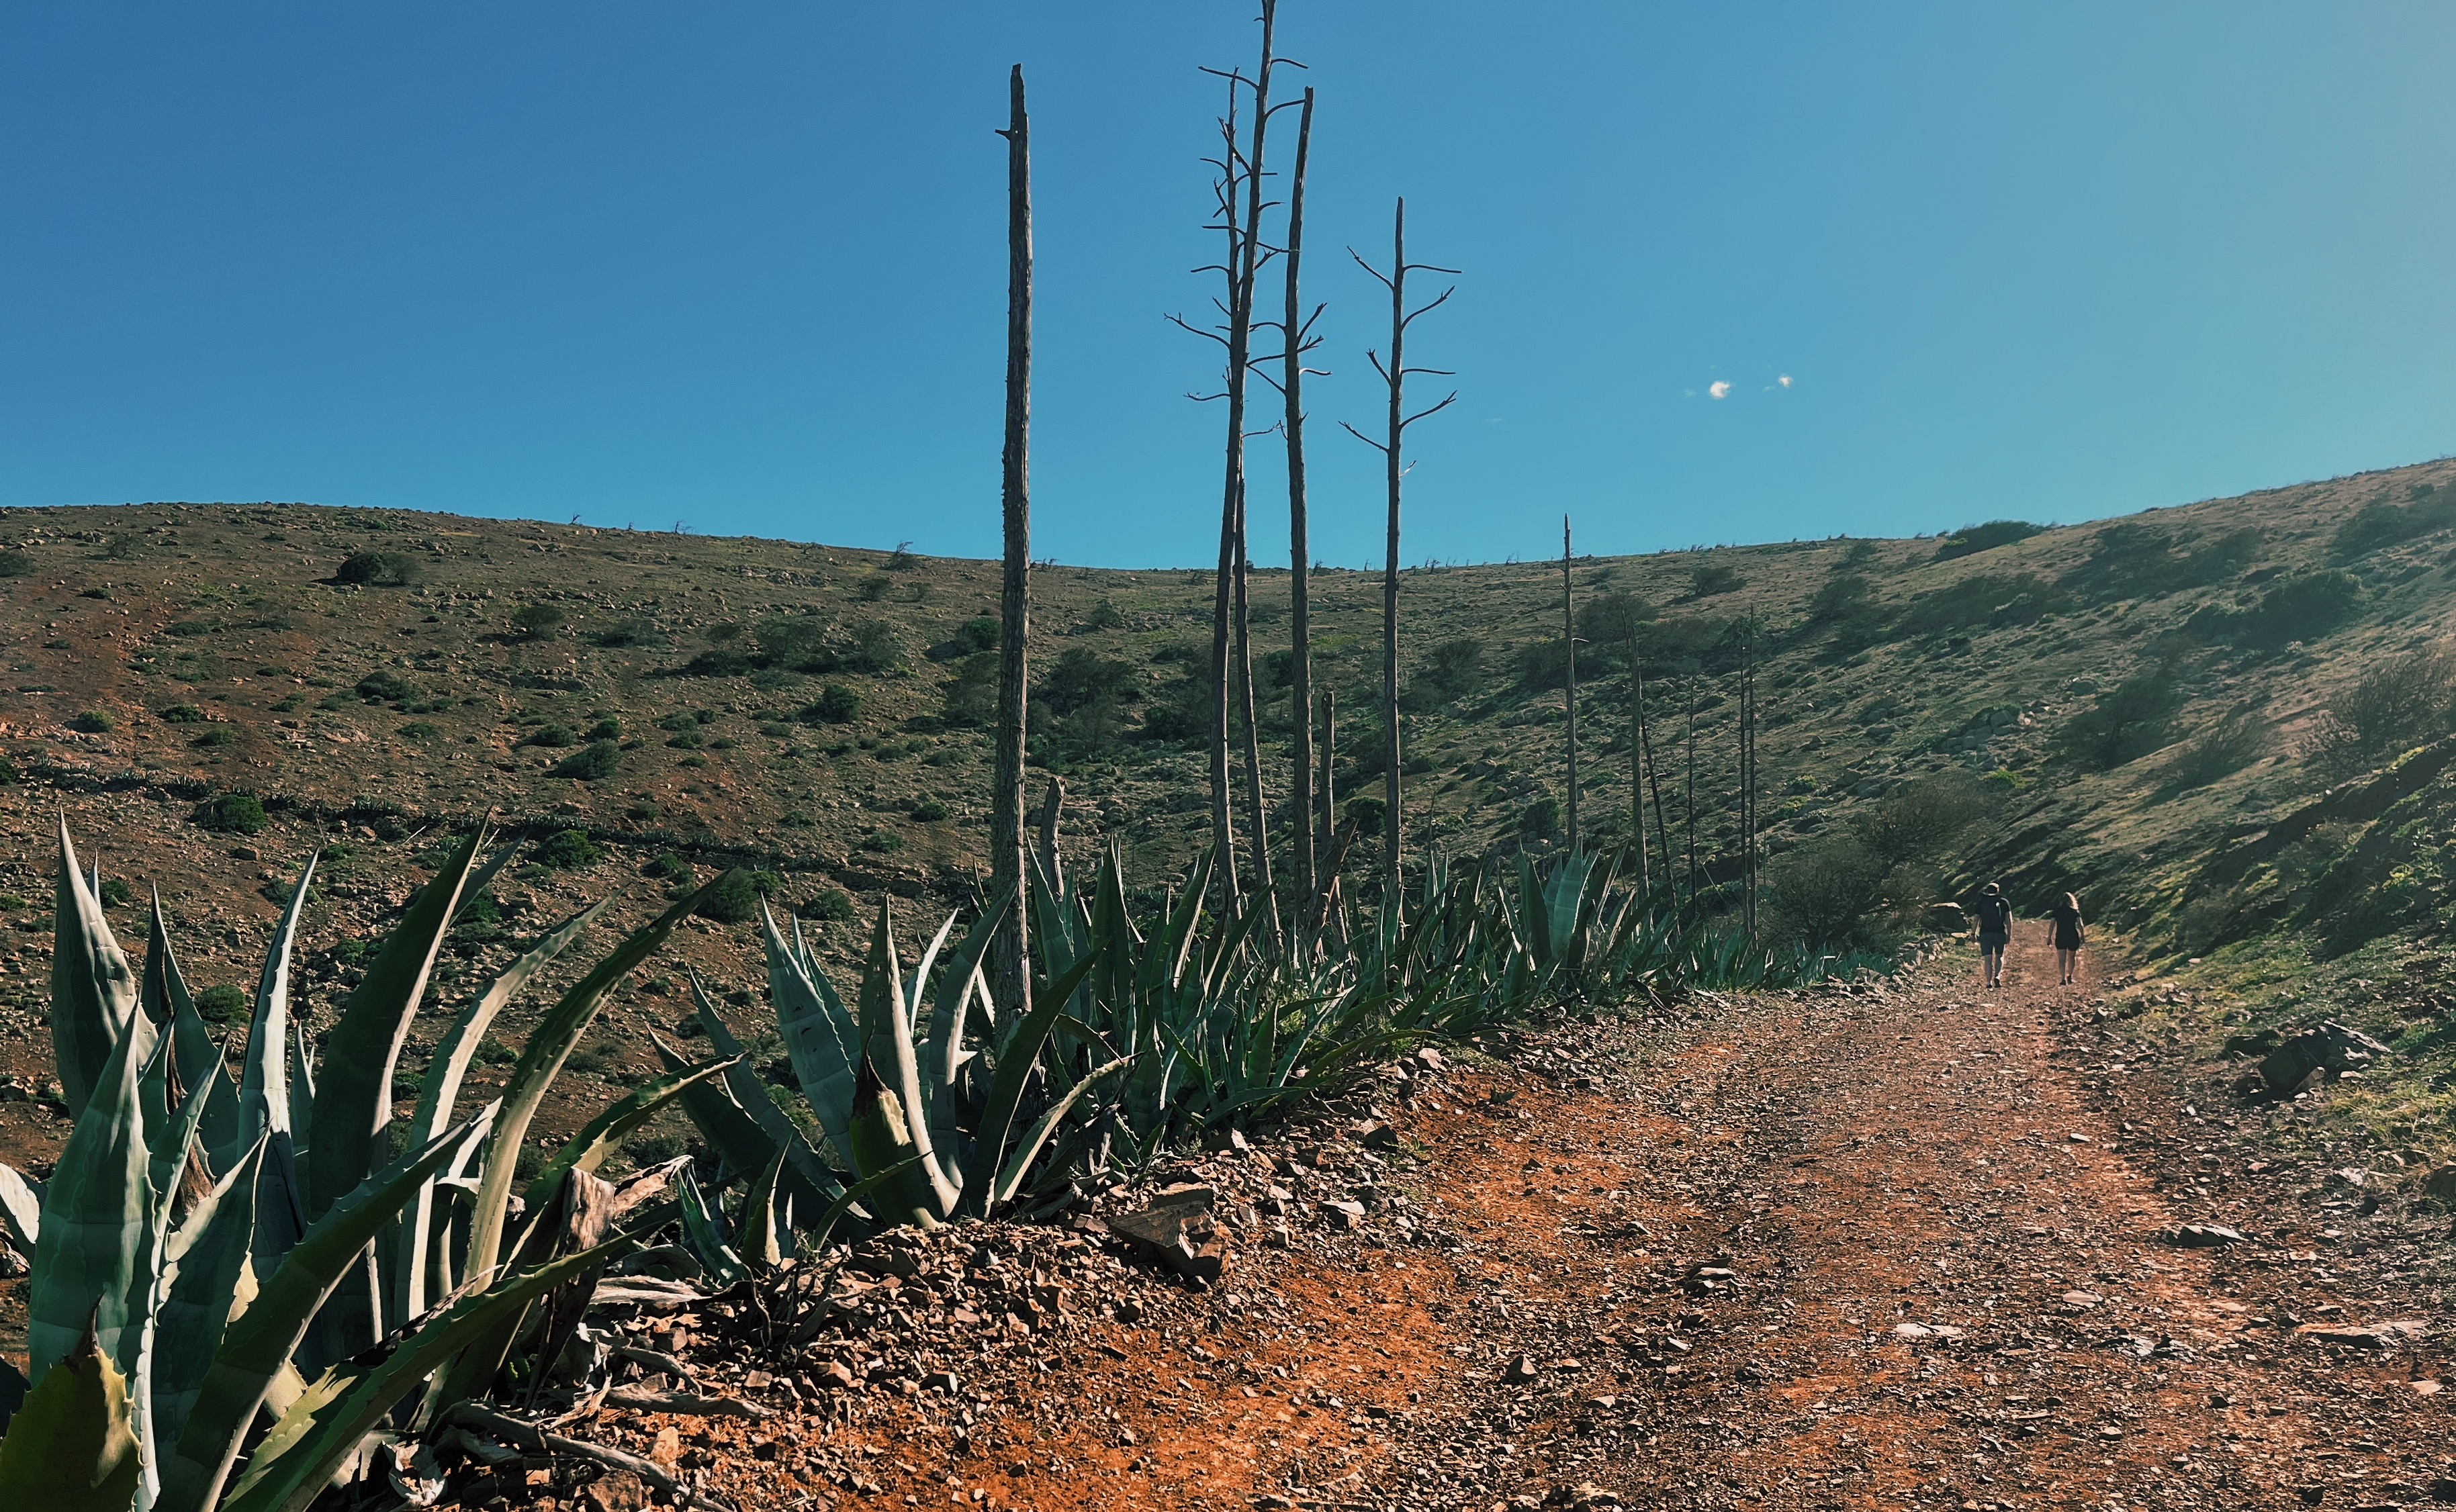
(1995, 916)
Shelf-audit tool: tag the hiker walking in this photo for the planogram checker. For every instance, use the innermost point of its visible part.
(2066, 914)
(1994, 930)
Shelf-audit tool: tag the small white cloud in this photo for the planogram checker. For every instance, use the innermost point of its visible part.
(1718, 388)
(1783, 381)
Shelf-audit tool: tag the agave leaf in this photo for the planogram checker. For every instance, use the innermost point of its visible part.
(200, 1064)
(809, 1177)
(264, 1087)
(441, 1088)
(738, 1139)
(209, 1282)
(354, 1109)
(93, 993)
(943, 1054)
(704, 1232)
(586, 1149)
(887, 1047)
(758, 1227)
(93, 1259)
(1006, 1087)
(816, 1237)
(1027, 1149)
(21, 1209)
(549, 1046)
(1182, 928)
(315, 1437)
(918, 989)
(257, 1344)
(72, 1446)
(821, 1039)
(881, 1140)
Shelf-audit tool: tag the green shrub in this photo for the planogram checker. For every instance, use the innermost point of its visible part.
(116, 892)
(734, 899)
(2221, 751)
(383, 685)
(930, 810)
(377, 569)
(981, 633)
(1541, 820)
(1369, 813)
(828, 905)
(566, 848)
(223, 1004)
(1969, 539)
(837, 704)
(94, 721)
(16, 563)
(594, 761)
(1706, 579)
(182, 714)
(882, 842)
(2301, 606)
(608, 728)
(421, 729)
(553, 737)
(2128, 721)
(230, 815)
(216, 737)
(536, 621)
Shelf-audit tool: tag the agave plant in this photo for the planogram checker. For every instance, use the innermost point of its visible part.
(920, 1113)
(205, 1246)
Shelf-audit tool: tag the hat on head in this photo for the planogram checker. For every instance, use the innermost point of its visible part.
(1991, 889)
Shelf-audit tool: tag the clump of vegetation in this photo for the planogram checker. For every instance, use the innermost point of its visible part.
(181, 714)
(594, 761)
(930, 811)
(2392, 708)
(230, 815)
(16, 564)
(566, 848)
(2298, 607)
(94, 721)
(384, 686)
(377, 569)
(1709, 578)
(2126, 721)
(733, 898)
(1970, 540)
(836, 705)
(534, 621)
(1869, 886)
(2378, 524)
(222, 1004)
(828, 905)
(2226, 747)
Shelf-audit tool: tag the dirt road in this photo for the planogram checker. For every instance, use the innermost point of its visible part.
(1869, 1250)
(1874, 1252)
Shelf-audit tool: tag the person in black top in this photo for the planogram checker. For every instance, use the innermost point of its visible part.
(2066, 914)
(1994, 930)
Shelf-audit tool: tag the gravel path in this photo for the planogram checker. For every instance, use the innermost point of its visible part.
(1874, 1251)
(1897, 1246)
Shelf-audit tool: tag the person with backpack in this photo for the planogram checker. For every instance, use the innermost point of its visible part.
(2066, 914)
(1994, 912)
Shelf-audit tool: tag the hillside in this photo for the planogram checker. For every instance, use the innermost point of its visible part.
(2124, 703)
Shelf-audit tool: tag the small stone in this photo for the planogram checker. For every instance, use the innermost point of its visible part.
(1346, 1215)
(1521, 1371)
(615, 1491)
(2202, 1236)
(831, 1377)
(944, 1381)
(1375, 1134)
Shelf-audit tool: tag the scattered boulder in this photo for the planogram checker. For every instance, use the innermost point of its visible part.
(1522, 1371)
(1177, 1228)
(615, 1491)
(2332, 1048)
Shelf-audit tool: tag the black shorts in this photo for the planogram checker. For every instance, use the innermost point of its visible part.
(1993, 942)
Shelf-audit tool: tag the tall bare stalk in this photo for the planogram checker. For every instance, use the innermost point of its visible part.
(1394, 373)
(1011, 961)
(1294, 328)
(1570, 640)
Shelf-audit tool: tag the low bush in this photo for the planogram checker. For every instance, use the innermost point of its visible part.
(377, 569)
(230, 815)
(594, 761)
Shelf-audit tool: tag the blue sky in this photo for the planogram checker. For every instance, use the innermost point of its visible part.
(742, 266)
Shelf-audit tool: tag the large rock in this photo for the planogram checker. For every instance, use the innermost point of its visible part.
(2332, 1047)
(1177, 1228)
